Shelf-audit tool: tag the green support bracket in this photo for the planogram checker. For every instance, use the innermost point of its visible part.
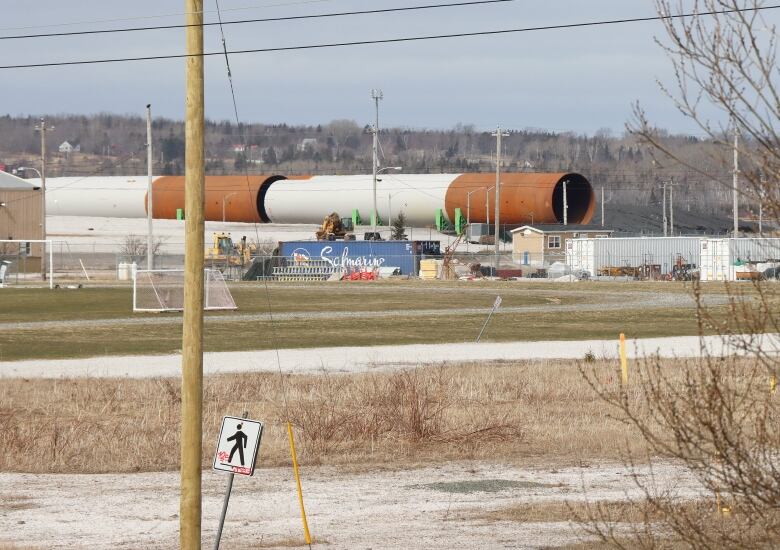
(442, 223)
(460, 221)
(356, 218)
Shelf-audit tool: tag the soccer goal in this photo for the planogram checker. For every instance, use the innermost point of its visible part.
(163, 290)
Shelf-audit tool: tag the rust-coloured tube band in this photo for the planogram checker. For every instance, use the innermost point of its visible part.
(525, 198)
(239, 194)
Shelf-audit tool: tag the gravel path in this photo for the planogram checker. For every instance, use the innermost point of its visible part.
(362, 359)
(621, 301)
(435, 507)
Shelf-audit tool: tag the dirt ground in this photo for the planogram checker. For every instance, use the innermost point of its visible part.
(434, 507)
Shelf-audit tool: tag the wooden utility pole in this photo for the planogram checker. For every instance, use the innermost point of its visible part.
(735, 184)
(192, 333)
(498, 134)
(149, 203)
(664, 214)
(671, 208)
(602, 206)
(42, 128)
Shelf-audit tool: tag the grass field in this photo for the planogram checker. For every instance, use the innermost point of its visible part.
(418, 313)
(521, 412)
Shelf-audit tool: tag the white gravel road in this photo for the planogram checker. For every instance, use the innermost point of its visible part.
(359, 359)
(432, 508)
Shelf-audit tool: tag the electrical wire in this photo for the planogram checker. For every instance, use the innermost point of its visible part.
(160, 16)
(273, 333)
(396, 40)
(220, 23)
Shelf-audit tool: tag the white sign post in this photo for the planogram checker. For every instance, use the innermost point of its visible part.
(239, 440)
(496, 305)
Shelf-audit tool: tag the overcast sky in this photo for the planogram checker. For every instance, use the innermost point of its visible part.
(579, 80)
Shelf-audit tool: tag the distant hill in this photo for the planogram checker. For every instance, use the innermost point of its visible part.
(628, 171)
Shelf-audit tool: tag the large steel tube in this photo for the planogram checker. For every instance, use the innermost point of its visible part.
(525, 198)
(308, 201)
(110, 196)
(236, 194)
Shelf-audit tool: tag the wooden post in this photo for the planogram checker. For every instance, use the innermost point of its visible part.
(623, 360)
(192, 333)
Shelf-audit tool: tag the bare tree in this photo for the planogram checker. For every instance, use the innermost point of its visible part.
(718, 415)
(726, 80)
(134, 247)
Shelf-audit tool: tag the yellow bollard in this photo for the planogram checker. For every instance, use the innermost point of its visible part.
(306, 534)
(773, 383)
(623, 359)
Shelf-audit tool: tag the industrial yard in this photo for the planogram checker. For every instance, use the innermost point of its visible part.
(337, 274)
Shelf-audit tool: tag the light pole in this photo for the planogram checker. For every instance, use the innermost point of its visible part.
(487, 204)
(389, 206)
(378, 171)
(376, 95)
(468, 205)
(223, 203)
(43, 210)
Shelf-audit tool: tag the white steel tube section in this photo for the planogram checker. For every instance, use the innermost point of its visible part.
(110, 196)
(310, 200)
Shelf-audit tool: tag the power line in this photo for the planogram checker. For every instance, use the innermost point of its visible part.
(396, 40)
(160, 16)
(220, 23)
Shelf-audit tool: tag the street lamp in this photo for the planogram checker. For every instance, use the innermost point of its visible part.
(389, 205)
(487, 204)
(223, 203)
(43, 217)
(374, 214)
(468, 205)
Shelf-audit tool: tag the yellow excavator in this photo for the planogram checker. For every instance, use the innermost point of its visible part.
(225, 252)
(335, 227)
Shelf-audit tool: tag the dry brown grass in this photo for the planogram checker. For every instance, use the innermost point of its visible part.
(622, 511)
(285, 543)
(510, 411)
(10, 501)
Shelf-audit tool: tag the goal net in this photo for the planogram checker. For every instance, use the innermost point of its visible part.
(163, 290)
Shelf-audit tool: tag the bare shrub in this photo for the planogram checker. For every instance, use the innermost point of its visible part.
(410, 407)
(134, 246)
(718, 415)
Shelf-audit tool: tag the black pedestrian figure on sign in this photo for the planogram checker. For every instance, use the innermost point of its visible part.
(240, 439)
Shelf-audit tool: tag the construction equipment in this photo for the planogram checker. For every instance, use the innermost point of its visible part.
(224, 252)
(335, 227)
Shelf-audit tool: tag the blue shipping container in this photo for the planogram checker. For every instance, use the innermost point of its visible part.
(347, 255)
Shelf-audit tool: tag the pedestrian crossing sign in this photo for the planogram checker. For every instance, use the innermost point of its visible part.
(239, 440)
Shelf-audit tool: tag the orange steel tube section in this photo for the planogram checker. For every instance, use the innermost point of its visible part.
(240, 197)
(525, 198)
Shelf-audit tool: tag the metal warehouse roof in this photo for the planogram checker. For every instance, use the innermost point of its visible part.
(11, 182)
(559, 227)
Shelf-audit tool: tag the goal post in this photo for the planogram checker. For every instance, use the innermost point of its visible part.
(163, 290)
